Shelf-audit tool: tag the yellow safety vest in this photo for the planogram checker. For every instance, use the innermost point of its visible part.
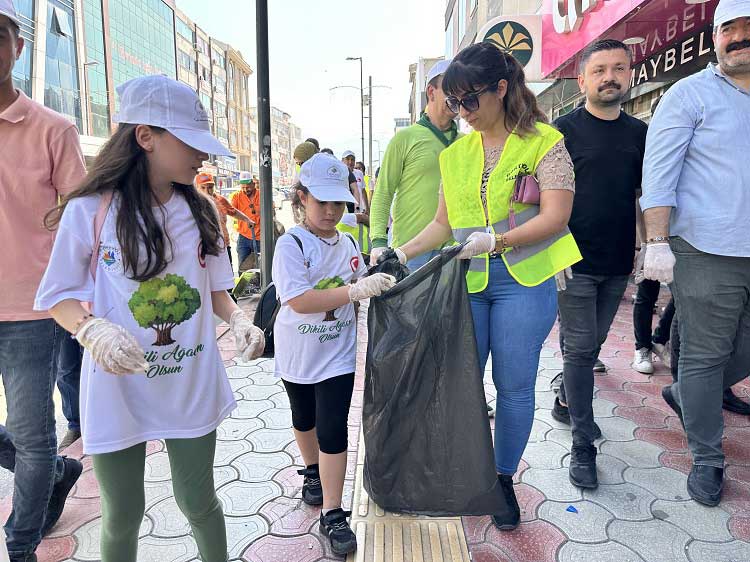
(361, 234)
(462, 165)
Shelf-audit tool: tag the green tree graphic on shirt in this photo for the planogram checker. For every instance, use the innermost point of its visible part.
(162, 304)
(330, 283)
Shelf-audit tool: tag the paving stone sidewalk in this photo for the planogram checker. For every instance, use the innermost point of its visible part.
(640, 513)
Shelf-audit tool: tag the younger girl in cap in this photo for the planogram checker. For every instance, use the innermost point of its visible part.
(145, 248)
(319, 274)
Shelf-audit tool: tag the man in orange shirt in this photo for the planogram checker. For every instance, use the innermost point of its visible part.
(40, 159)
(247, 200)
(205, 183)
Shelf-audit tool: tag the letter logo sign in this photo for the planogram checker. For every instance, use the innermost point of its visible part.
(568, 15)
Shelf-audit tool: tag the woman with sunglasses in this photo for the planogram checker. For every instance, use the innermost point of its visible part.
(513, 258)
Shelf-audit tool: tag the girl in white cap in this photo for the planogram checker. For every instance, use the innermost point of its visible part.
(319, 274)
(145, 248)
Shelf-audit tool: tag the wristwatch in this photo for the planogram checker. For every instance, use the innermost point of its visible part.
(500, 246)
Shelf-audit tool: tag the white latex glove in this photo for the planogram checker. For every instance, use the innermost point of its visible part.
(562, 277)
(638, 266)
(477, 243)
(112, 347)
(371, 286)
(402, 259)
(375, 253)
(658, 263)
(248, 338)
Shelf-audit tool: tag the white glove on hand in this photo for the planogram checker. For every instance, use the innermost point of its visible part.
(562, 277)
(638, 265)
(659, 262)
(248, 338)
(372, 286)
(112, 347)
(477, 243)
(376, 253)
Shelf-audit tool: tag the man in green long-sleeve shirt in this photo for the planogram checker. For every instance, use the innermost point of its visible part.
(411, 173)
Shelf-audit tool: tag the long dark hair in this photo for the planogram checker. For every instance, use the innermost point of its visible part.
(484, 65)
(122, 167)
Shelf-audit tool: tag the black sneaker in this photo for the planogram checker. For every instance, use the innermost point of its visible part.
(560, 413)
(582, 471)
(510, 521)
(599, 367)
(490, 411)
(60, 491)
(312, 491)
(334, 525)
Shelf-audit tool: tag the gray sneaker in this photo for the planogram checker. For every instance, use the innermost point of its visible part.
(664, 353)
(70, 437)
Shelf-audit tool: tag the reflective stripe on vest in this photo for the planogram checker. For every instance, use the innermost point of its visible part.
(361, 234)
(461, 167)
(513, 256)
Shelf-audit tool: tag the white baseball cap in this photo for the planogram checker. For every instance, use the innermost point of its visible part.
(163, 102)
(326, 178)
(437, 69)
(729, 10)
(9, 11)
(347, 154)
(246, 177)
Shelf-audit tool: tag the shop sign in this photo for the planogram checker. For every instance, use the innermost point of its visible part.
(520, 36)
(682, 59)
(580, 22)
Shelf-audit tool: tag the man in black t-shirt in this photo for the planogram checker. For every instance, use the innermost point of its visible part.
(607, 147)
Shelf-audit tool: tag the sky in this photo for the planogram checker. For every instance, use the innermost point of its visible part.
(309, 41)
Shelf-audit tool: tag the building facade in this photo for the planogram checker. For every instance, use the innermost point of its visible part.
(79, 51)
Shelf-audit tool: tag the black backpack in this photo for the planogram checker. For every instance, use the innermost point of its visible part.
(269, 306)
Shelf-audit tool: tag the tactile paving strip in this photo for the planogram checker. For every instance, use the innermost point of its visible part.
(393, 537)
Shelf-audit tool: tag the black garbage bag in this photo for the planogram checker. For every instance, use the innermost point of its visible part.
(388, 263)
(428, 446)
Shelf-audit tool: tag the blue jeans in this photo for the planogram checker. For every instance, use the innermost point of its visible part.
(512, 321)
(246, 246)
(69, 379)
(28, 444)
(415, 263)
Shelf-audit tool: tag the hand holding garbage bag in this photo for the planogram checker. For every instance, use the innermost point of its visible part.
(477, 243)
(372, 286)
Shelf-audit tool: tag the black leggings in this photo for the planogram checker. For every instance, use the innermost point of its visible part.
(323, 406)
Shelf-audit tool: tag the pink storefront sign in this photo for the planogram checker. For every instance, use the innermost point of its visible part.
(586, 21)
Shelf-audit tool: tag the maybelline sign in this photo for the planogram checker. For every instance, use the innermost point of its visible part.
(682, 58)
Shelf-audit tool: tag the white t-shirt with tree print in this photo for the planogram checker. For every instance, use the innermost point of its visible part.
(311, 348)
(185, 392)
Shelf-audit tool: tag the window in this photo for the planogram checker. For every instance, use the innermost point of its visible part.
(461, 19)
(220, 84)
(449, 38)
(220, 109)
(202, 45)
(185, 30)
(61, 88)
(219, 59)
(60, 23)
(185, 61)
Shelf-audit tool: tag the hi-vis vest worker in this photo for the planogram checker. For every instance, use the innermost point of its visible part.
(360, 232)
(461, 166)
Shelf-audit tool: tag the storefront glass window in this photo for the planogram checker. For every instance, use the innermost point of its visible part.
(61, 89)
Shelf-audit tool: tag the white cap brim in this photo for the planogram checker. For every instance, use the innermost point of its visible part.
(740, 12)
(347, 154)
(200, 140)
(337, 193)
(11, 17)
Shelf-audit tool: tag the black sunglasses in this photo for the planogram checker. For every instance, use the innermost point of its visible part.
(469, 101)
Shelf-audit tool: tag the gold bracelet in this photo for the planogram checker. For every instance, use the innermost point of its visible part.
(500, 246)
(81, 322)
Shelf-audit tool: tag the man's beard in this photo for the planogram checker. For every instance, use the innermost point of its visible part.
(740, 65)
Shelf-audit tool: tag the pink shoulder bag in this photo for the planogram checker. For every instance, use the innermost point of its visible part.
(526, 191)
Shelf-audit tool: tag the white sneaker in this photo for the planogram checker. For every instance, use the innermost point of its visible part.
(664, 353)
(642, 361)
